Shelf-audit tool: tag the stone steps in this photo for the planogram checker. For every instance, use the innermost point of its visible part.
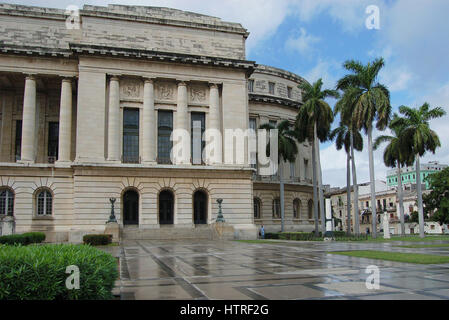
(167, 233)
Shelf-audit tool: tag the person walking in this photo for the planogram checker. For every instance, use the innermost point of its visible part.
(262, 232)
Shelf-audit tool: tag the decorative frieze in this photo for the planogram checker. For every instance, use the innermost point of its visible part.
(197, 94)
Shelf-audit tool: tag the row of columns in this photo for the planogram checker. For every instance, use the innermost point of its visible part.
(28, 151)
(149, 141)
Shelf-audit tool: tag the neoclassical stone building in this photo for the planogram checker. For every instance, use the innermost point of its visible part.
(88, 109)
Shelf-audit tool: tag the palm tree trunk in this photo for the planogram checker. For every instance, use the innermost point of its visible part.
(315, 191)
(320, 186)
(419, 191)
(401, 201)
(356, 190)
(348, 192)
(372, 181)
(281, 184)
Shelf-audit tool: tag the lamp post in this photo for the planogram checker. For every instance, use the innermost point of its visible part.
(220, 217)
(112, 216)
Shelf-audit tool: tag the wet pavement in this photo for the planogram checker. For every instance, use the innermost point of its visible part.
(231, 270)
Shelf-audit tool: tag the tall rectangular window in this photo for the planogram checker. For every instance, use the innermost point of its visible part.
(250, 85)
(289, 92)
(131, 135)
(53, 141)
(271, 87)
(164, 130)
(253, 154)
(198, 126)
(292, 170)
(18, 139)
(306, 169)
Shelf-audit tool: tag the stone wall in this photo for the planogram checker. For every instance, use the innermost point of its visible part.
(145, 28)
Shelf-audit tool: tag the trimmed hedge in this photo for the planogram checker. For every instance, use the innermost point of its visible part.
(39, 272)
(97, 239)
(23, 239)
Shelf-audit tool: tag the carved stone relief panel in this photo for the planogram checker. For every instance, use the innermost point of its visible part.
(197, 94)
(130, 89)
(165, 91)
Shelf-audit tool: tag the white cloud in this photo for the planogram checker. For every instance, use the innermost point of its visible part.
(303, 43)
(325, 69)
(395, 78)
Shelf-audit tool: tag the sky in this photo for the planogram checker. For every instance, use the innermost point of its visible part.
(313, 38)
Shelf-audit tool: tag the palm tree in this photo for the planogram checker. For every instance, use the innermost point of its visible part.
(417, 138)
(371, 102)
(345, 106)
(395, 156)
(344, 139)
(287, 151)
(313, 123)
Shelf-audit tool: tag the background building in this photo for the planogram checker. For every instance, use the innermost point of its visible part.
(408, 175)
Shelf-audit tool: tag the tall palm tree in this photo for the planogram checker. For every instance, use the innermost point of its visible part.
(313, 123)
(287, 151)
(395, 156)
(371, 103)
(345, 107)
(344, 139)
(417, 138)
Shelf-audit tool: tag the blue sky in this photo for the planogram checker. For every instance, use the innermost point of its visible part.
(313, 38)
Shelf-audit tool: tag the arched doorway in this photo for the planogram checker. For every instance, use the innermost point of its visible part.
(130, 207)
(200, 207)
(166, 206)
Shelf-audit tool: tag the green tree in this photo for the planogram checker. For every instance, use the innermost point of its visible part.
(343, 137)
(396, 157)
(313, 123)
(417, 138)
(371, 102)
(436, 203)
(287, 151)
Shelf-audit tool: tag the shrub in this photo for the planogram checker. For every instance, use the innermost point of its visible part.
(23, 239)
(272, 235)
(97, 239)
(39, 272)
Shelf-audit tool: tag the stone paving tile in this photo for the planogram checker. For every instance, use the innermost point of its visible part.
(300, 270)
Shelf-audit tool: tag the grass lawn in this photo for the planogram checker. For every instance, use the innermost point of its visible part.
(425, 245)
(396, 256)
(410, 238)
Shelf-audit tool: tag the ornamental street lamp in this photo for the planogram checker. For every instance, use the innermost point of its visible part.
(220, 217)
(112, 216)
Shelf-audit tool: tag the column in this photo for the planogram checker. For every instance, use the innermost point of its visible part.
(149, 123)
(65, 121)
(28, 152)
(215, 126)
(114, 119)
(6, 145)
(182, 134)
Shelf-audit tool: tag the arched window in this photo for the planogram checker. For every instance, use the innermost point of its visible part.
(310, 209)
(276, 208)
(257, 207)
(44, 202)
(6, 202)
(296, 208)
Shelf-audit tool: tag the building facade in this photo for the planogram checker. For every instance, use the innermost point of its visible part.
(90, 105)
(408, 175)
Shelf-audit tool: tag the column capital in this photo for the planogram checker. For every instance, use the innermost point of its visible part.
(114, 78)
(67, 79)
(182, 83)
(148, 80)
(30, 76)
(213, 85)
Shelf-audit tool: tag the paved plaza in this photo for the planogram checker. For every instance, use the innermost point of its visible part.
(231, 270)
